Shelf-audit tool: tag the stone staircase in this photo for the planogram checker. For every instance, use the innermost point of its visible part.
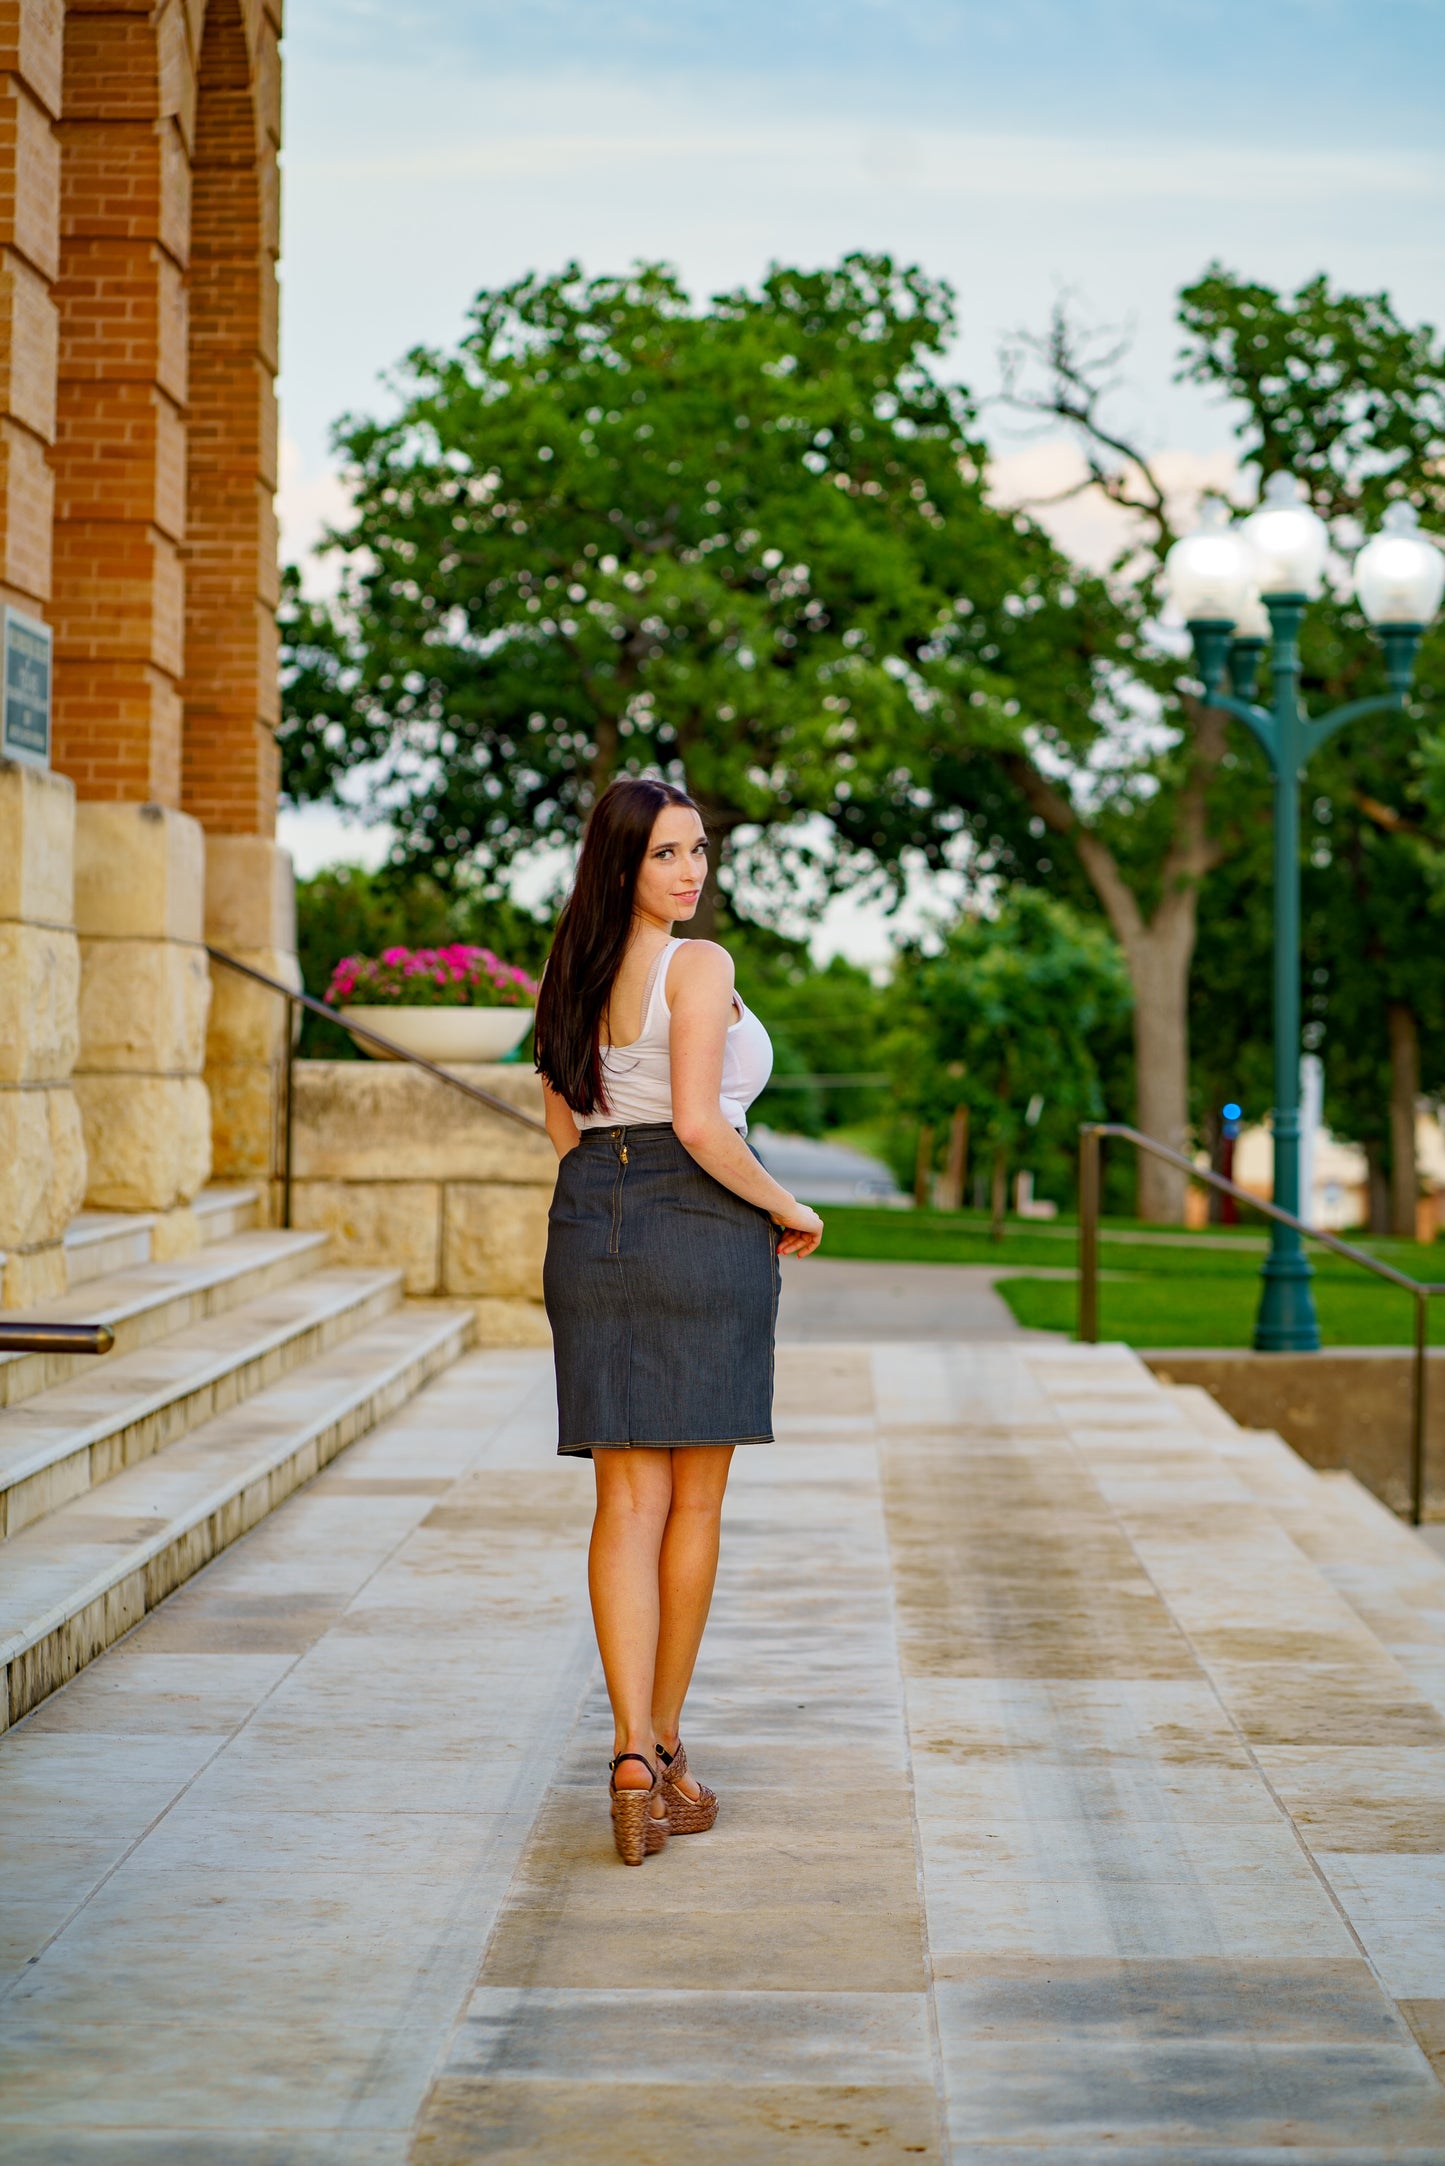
(1389, 1576)
(1369, 1559)
(238, 1371)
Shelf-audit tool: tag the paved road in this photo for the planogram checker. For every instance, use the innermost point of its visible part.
(824, 1173)
(1071, 1813)
(826, 1297)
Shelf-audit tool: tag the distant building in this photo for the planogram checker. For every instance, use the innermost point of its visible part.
(1340, 1194)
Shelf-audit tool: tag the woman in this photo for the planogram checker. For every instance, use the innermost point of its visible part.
(661, 1276)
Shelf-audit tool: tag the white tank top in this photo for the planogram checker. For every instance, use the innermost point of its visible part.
(638, 1077)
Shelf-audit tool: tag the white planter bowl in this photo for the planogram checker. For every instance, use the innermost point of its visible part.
(451, 1037)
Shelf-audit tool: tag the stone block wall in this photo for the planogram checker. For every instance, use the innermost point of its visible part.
(401, 1170)
(251, 914)
(42, 1154)
(145, 993)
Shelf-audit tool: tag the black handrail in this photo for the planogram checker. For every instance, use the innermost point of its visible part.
(38, 1338)
(372, 1037)
(1421, 1290)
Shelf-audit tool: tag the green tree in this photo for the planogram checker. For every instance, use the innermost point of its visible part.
(746, 543)
(1008, 1019)
(1335, 388)
(1129, 810)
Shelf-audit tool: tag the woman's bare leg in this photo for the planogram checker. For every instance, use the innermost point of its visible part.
(634, 1494)
(686, 1569)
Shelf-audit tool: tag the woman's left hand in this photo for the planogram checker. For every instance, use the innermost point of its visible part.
(802, 1230)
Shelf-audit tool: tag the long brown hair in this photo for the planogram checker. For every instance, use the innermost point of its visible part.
(592, 935)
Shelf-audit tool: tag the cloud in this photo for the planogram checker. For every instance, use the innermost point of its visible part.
(550, 132)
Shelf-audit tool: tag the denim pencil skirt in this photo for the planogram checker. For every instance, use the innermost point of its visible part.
(662, 1294)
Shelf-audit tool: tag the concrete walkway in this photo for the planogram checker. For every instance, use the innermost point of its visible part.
(827, 1298)
(1073, 1809)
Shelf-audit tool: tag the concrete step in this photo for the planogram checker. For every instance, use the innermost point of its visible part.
(222, 1211)
(98, 1243)
(124, 1408)
(1314, 1616)
(1392, 1579)
(145, 1302)
(1394, 1582)
(1271, 1469)
(78, 1579)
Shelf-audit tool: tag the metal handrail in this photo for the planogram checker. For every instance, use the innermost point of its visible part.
(38, 1338)
(1422, 1290)
(372, 1037)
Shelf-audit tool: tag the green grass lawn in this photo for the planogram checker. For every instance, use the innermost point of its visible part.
(1157, 1292)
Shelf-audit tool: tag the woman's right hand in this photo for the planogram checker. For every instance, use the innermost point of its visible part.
(802, 1229)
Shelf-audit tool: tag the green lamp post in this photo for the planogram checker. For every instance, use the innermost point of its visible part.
(1240, 589)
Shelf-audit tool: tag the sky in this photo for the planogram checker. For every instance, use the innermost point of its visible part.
(1108, 149)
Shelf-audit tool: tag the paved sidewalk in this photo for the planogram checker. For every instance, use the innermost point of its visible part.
(1070, 1813)
(828, 1298)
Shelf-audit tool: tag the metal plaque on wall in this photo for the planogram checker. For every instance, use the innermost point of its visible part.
(25, 732)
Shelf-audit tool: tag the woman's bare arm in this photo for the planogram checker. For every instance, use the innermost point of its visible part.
(700, 996)
(561, 1126)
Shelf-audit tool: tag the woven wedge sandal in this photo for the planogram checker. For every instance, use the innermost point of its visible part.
(686, 1815)
(636, 1830)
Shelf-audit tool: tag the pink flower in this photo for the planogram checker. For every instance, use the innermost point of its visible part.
(460, 973)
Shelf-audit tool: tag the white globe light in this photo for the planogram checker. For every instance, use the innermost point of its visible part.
(1209, 575)
(1400, 575)
(1253, 620)
(1290, 542)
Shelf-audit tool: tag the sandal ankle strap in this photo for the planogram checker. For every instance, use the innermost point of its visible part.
(614, 1765)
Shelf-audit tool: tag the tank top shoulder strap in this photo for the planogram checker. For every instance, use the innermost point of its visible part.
(654, 1007)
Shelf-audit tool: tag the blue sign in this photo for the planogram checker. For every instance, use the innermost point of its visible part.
(25, 734)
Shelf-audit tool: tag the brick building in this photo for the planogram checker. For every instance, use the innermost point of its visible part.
(139, 235)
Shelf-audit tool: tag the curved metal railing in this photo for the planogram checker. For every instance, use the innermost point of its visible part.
(1422, 1290)
(489, 1099)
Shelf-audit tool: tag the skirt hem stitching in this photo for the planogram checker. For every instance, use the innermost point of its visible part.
(655, 1444)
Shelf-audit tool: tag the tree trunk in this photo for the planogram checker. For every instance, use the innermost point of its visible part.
(999, 1198)
(1377, 1187)
(1404, 1094)
(702, 925)
(603, 765)
(1159, 956)
(719, 824)
(956, 1165)
(1158, 951)
(923, 1167)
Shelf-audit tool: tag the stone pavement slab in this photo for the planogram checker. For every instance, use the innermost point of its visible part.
(1071, 1811)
